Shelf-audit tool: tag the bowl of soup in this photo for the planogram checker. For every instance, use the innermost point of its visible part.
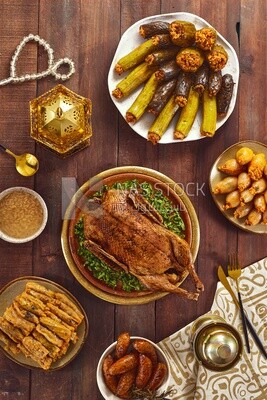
(23, 214)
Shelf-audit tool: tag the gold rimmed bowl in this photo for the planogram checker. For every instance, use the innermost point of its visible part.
(216, 176)
(75, 210)
(13, 289)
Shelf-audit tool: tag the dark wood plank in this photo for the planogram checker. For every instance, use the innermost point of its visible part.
(133, 150)
(252, 93)
(87, 40)
(14, 121)
(89, 34)
(189, 165)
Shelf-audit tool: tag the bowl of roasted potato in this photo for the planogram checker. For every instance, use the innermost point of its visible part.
(238, 184)
(132, 367)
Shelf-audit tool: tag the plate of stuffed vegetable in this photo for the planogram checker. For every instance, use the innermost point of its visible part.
(174, 78)
(130, 236)
(42, 325)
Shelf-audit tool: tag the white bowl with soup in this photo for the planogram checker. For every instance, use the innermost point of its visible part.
(23, 215)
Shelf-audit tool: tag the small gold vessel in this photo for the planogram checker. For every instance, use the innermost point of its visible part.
(216, 344)
(61, 120)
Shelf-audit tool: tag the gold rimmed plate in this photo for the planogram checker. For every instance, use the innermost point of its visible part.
(130, 40)
(15, 288)
(216, 176)
(76, 209)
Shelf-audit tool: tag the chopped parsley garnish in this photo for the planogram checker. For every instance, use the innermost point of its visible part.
(171, 219)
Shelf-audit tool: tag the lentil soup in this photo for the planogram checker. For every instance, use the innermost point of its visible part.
(21, 214)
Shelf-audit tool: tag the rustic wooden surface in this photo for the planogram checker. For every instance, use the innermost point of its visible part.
(88, 32)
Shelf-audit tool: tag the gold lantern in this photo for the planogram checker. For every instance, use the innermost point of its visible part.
(61, 120)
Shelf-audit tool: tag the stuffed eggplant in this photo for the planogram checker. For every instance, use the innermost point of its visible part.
(224, 96)
(201, 79)
(168, 70)
(182, 88)
(153, 28)
(161, 96)
(215, 82)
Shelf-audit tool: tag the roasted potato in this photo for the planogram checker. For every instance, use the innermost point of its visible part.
(144, 347)
(125, 383)
(256, 166)
(245, 186)
(124, 364)
(243, 181)
(123, 343)
(244, 155)
(232, 200)
(139, 369)
(226, 185)
(157, 377)
(231, 167)
(110, 380)
(254, 217)
(144, 371)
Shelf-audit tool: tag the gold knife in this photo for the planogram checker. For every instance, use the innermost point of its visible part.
(227, 286)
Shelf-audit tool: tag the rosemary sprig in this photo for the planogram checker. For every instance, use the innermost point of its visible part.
(147, 394)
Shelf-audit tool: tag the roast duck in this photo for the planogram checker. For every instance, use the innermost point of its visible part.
(125, 231)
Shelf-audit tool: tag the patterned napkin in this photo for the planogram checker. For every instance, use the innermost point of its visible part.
(247, 380)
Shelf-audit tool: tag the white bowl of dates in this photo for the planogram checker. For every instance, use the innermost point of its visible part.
(132, 367)
(238, 184)
(23, 215)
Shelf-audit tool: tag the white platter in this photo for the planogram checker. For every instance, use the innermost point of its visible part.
(131, 39)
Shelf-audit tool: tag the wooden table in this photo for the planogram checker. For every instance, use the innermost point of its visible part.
(89, 32)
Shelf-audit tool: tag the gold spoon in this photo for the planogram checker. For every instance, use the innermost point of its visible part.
(26, 164)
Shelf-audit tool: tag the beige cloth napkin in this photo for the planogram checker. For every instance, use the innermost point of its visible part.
(247, 380)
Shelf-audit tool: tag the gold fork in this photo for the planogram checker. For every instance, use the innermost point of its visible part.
(234, 271)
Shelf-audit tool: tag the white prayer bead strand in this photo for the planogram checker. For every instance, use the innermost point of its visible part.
(52, 66)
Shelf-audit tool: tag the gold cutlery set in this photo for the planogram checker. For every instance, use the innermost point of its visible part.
(234, 272)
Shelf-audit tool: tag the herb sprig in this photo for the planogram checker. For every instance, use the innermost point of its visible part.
(146, 394)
